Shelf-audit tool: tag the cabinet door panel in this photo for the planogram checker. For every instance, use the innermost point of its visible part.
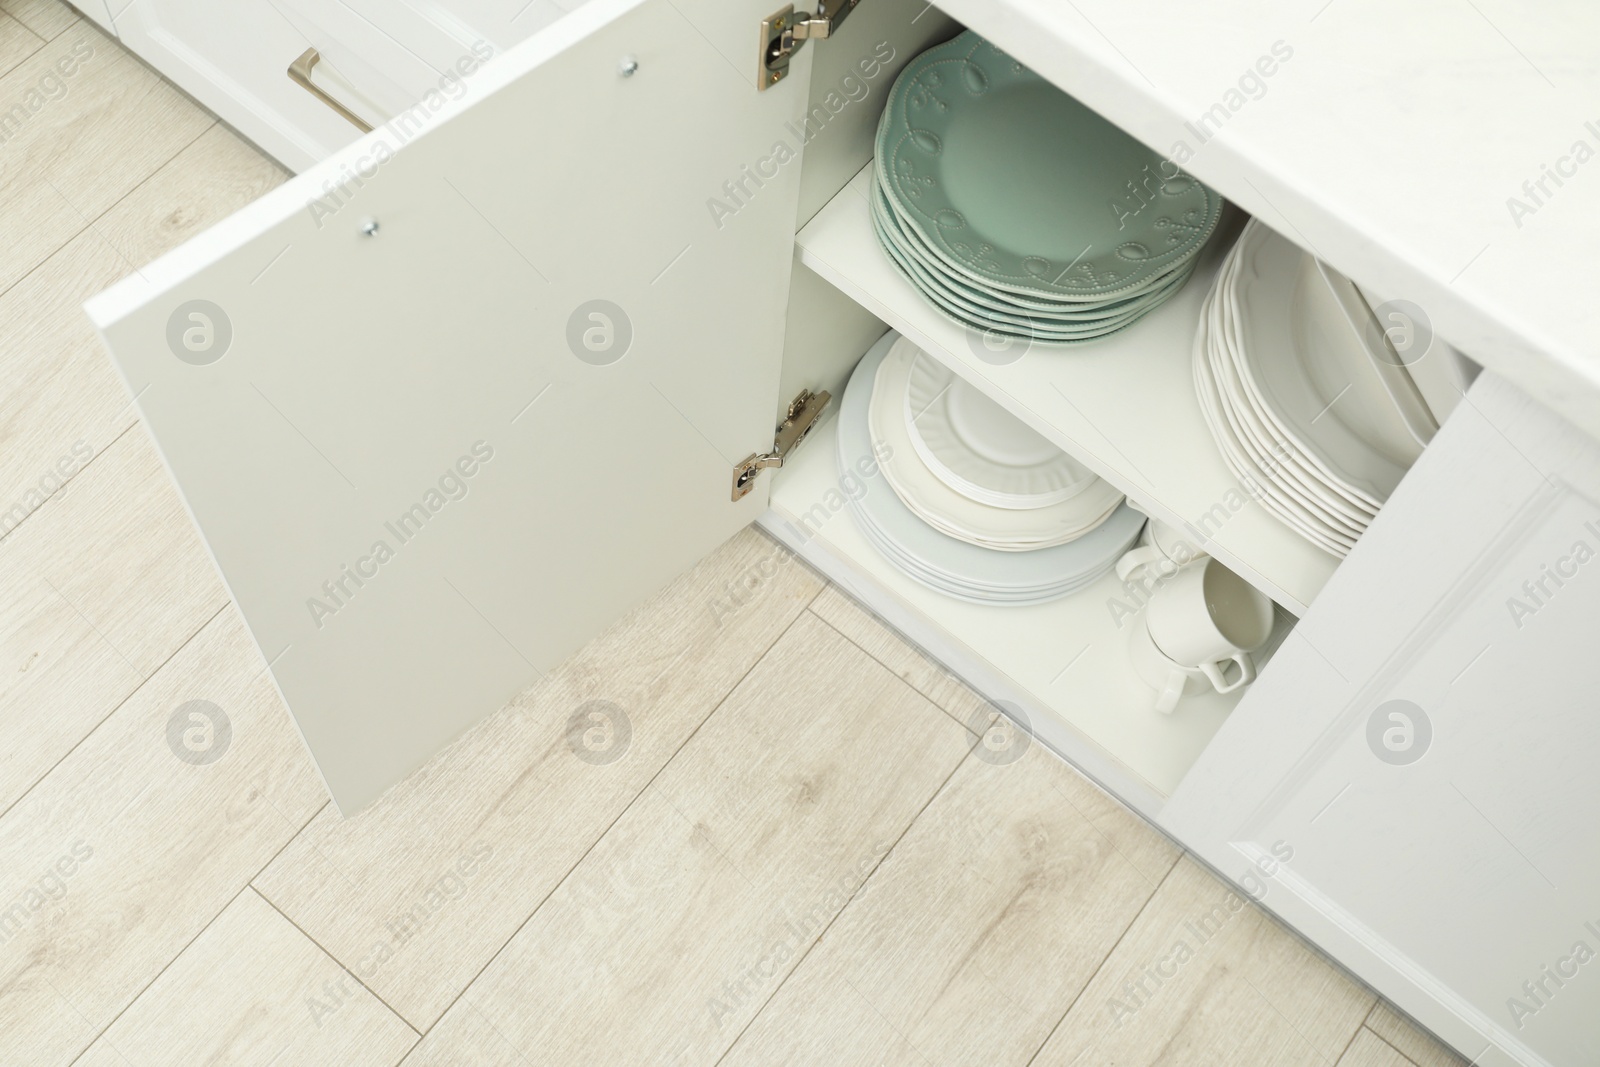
(1424, 747)
(432, 461)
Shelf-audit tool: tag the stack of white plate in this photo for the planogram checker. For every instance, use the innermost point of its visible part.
(971, 501)
(1316, 422)
(1019, 212)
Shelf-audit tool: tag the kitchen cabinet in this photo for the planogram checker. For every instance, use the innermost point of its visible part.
(1429, 772)
(375, 59)
(235, 62)
(453, 400)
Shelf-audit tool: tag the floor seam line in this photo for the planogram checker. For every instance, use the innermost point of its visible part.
(625, 809)
(75, 474)
(822, 933)
(1106, 959)
(116, 708)
(337, 962)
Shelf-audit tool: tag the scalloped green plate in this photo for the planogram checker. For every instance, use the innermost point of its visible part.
(1025, 189)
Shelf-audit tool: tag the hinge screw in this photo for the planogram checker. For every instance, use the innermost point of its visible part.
(369, 227)
(628, 66)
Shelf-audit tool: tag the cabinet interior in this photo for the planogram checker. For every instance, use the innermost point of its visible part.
(1125, 407)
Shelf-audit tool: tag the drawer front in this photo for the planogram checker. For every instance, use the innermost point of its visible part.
(391, 53)
(235, 61)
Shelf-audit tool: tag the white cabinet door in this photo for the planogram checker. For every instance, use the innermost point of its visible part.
(1415, 782)
(432, 461)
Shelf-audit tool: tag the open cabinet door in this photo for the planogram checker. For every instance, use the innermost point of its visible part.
(449, 403)
(1415, 782)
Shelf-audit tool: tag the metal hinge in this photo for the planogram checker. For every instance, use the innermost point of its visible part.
(784, 32)
(805, 411)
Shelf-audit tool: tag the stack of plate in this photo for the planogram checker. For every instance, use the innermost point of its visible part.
(972, 502)
(1315, 422)
(1017, 211)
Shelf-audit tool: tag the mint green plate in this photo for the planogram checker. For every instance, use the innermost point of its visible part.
(1035, 330)
(908, 240)
(1024, 189)
(1019, 321)
(932, 277)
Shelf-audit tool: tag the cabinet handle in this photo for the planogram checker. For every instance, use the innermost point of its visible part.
(300, 74)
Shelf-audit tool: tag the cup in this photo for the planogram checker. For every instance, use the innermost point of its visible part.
(1171, 681)
(1207, 617)
(1161, 548)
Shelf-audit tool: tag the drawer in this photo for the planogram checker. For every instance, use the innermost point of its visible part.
(391, 53)
(236, 62)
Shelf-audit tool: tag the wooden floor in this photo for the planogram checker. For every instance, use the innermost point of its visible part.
(798, 855)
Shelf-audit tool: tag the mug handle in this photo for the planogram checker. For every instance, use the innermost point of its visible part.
(1136, 558)
(1171, 692)
(1217, 676)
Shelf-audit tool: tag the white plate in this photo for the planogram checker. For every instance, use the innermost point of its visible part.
(1440, 374)
(1273, 451)
(942, 584)
(1268, 476)
(1271, 497)
(981, 450)
(1227, 324)
(985, 576)
(1263, 300)
(1336, 357)
(1395, 380)
(947, 509)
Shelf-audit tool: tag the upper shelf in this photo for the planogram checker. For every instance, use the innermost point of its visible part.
(1441, 152)
(1124, 405)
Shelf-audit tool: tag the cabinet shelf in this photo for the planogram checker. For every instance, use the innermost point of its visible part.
(1124, 406)
(1064, 663)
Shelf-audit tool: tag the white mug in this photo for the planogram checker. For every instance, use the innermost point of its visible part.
(1160, 547)
(1171, 681)
(1206, 617)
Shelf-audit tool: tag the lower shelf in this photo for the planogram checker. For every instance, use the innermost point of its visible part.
(1124, 406)
(1064, 663)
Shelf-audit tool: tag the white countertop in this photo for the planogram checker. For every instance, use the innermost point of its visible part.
(1388, 142)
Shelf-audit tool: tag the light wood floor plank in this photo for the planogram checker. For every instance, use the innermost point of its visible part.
(253, 991)
(384, 891)
(47, 18)
(973, 937)
(101, 587)
(1206, 978)
(53, 173)
(1420, 1047)
(465, 1038)
(970, 709)
(125, 852)
(215, 176)
(65, 400)
(17, 42)
(890, 649)
(147, 584)
(1369, 1050)
(695, 905)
